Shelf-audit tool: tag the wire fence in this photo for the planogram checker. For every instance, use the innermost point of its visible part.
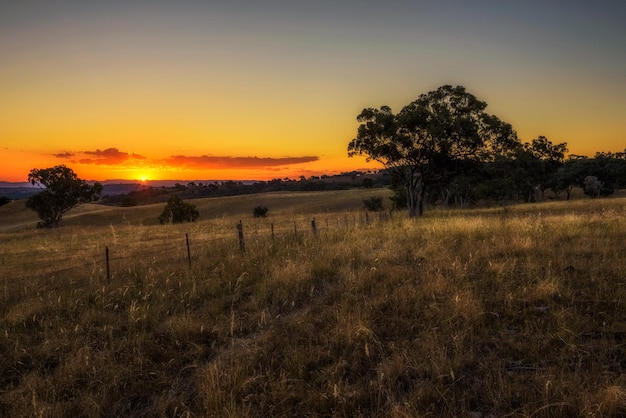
(98, 259)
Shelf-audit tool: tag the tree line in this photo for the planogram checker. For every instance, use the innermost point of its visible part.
(526, 177)
(193, 190)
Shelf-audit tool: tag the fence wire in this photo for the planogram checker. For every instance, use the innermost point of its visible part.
(50, 263)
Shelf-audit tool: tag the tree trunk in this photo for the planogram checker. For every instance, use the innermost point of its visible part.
(538, 194)
(415, 198)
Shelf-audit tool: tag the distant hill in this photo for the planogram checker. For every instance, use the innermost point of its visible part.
(15, 217)
(16, 191)
(11, 184)
(120, 188)
(153, 191)
(23, 190)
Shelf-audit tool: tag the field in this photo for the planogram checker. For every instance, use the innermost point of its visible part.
(515, 311)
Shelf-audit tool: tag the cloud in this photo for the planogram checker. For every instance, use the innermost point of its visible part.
(115, 157)
(215, 162)
(109, 156)
(64, 155)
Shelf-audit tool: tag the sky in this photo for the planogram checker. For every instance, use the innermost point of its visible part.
(242, 89)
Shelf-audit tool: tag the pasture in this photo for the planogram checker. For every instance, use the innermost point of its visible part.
(517, 311)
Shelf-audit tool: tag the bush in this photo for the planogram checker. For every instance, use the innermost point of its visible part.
(260, 212)
(4, 200)
(592, 186)
(176, 211)
(374, 204)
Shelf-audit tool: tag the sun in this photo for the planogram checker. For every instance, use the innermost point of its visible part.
(143, 176)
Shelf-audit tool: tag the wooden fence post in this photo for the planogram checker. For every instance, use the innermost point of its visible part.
(295, 229)
(188, 251)
(242, 243)
(108, 268)
(272, 224)
(313, 227)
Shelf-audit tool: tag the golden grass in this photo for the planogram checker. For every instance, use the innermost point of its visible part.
(488, 312)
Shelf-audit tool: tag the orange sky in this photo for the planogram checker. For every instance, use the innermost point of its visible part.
(244, 91)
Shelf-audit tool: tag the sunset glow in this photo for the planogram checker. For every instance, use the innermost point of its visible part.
(197, 91)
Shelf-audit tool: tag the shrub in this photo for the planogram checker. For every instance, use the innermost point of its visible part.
(592, 186)
(260, 212)
(374, 204)
(176, 211)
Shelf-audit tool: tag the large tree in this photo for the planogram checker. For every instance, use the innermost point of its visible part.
(431, 139)
(62, 191)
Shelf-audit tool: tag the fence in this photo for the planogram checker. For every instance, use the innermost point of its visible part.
(102, 256)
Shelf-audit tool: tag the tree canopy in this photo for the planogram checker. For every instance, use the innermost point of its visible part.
(62, 191)
(431, 139)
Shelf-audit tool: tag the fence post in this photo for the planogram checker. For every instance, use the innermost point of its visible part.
(108, 268)
(188, 251)
(272, 224)
(295, 229)
(242, 244)
(313, 227)
(367, 218)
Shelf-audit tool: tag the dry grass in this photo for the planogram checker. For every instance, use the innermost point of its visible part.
(494, 312)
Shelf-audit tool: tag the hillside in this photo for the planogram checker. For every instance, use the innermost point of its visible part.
(15, 216)
(517, 311)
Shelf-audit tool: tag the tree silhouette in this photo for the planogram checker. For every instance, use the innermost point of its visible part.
(424, 143)
(177, 211)
(62, 191)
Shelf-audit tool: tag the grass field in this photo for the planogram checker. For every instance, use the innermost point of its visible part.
(516, 311)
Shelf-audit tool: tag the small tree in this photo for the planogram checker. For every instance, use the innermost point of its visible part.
(62, 191)
(571, 174)
(176, 211)
(260, 212)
